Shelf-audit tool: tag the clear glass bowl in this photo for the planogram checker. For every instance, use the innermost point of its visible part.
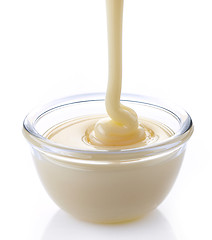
(107, 186)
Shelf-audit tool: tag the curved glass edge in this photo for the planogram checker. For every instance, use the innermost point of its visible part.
(42, 144)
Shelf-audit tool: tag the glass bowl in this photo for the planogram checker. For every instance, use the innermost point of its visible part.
(107, 186)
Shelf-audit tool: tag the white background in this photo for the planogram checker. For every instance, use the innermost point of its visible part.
(50, 49)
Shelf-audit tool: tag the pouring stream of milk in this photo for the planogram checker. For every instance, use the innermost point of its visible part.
(121, 127)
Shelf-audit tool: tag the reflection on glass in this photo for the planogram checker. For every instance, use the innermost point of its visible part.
(153, 227)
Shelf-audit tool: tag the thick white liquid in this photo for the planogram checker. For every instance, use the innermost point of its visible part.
(77, 134)
(100, 189)
(122, 125)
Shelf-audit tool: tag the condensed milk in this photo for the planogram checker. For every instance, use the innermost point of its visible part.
(108, 168)
(122, 127)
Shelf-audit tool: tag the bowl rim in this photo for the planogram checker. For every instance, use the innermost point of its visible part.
(43, 144)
